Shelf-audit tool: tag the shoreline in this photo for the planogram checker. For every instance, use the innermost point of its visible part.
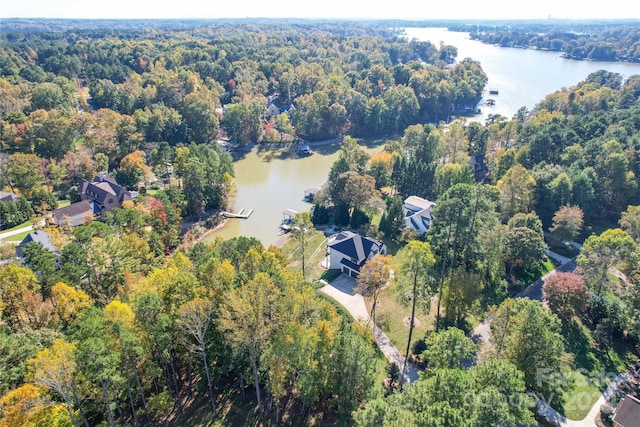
(280, 242)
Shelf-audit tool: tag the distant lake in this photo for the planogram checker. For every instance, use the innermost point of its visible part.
(522, 76)
(271, 181)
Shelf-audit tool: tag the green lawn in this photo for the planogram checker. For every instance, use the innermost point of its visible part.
(591, 369)
(17, 227)
(17, 237)
(315, 251)
(393, 310)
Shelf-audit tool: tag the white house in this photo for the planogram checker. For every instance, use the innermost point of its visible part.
(349, 251)
(417, 213)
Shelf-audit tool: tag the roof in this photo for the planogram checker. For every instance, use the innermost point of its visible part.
(418, 202)
(8, 197)
(77, 209)
(38, 236)
(102, 187)
(628, 412)
(353, 245)
(289, 212)
(351, 265)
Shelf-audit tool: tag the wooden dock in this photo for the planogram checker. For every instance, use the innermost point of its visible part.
(240, 214)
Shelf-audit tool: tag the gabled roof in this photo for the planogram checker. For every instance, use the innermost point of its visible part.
(418, 202)
(38, 236)
(8, 197)
(74, 210)
(353, 245)
(627, 412)
(102, 187)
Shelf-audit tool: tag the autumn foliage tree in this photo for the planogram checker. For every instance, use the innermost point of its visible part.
(567, 223)
(133, 169)
(565, 293)
(374, 275)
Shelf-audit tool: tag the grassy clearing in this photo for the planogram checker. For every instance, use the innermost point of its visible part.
(315, 251)
(591, 369)
(19, 226)
(393, 310)
(393, 314)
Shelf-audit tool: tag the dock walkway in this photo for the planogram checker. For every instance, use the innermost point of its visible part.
(238, 214)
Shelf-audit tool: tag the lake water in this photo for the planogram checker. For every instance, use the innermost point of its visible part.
(270, 181)
(522, 76)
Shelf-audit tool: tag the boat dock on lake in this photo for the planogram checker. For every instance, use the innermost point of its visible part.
(240, 214)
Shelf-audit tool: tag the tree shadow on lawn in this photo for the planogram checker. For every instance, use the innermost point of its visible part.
(588, 357)
(578, 341)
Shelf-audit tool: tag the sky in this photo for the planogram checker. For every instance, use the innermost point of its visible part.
(342, 9)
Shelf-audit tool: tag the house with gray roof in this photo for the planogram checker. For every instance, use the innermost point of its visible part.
(38, 236)
(104, 193)
(348, 251)
(417, 213)
(73, 215)
(8, 197)
(627, 413)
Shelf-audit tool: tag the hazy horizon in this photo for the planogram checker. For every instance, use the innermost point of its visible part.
(330, 9)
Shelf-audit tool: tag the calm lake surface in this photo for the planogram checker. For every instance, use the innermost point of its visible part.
(522, 76)
(271, 181)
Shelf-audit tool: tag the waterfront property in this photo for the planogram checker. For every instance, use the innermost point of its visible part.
(310, 194)
(304, 150)
(348, 251)
(417, 214)
(287, 220)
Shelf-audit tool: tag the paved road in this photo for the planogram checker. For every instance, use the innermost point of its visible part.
(341, 289)
(5, 234)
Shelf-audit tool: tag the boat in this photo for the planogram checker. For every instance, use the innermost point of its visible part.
(494, 91)
(287, 220)
(491, 101)
(304, 150)
(310, 194)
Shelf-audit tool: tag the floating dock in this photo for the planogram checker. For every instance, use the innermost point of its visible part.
(240, 214)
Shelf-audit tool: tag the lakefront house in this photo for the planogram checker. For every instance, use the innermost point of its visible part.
(348, 251)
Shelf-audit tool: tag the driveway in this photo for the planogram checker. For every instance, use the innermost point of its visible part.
(342, 290)
(5, 234)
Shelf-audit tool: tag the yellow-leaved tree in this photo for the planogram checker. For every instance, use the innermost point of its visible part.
(54, 369)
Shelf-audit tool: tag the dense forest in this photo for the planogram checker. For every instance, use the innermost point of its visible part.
(595, 41)
(129, 320)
